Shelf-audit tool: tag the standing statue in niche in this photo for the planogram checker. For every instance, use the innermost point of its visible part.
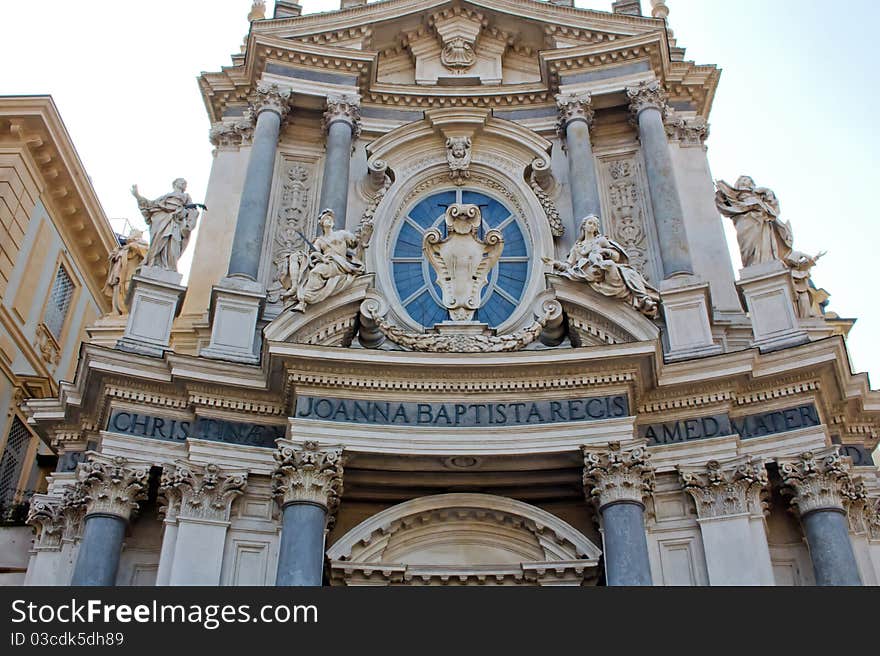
(762, 235)
(171, 219)
(604, 265)
(330, 265)
(123, 263)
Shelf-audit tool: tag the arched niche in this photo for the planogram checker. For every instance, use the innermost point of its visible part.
(463, 539)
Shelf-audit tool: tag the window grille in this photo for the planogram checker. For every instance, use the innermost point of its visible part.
(13, 460)
(59, 302)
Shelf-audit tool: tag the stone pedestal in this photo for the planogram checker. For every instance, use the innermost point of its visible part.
(687, 307)
(236, 304)
(767, 294)
(155, 299)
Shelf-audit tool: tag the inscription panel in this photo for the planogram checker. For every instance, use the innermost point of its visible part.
(465, 415)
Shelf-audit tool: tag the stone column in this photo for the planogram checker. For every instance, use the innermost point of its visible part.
(111, 489)
(202, 496)
(822, 490)
(308, 485)
(729, 497)
(618, 480)
(575, 120)
(647, 104)
(270, 106)
(342, 126)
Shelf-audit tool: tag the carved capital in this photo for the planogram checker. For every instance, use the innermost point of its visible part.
(271, 98)
(687, 131)
(194, 491)
(308, 474)
(574, 107)
(224, 136)
(820, 480)
(618, 474)
(647, 95)
(47, 519)
(732, 487)
(112, 486)
(344, 107)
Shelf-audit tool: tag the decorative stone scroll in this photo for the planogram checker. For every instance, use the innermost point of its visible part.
(308, 474)
(618, 474)
(200, 491)
(462, 342)
(732, 487)
(541, 167)
(111, 485)
(461, 260)
(820, 480)
(604, 265)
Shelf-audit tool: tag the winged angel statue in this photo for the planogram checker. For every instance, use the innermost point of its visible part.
(462, 261)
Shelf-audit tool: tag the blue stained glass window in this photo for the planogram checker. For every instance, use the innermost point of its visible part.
(414, 279)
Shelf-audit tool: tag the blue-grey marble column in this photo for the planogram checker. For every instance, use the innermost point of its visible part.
(301, 556)
(618, 480)
(99, 551)
(575, 120)
(342, 124)
(647, 103)
(308, 484)
(270, 107)
(834, 561)
(821, 486)
(110, 489)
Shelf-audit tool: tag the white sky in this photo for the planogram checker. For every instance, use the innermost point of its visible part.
(795, 108)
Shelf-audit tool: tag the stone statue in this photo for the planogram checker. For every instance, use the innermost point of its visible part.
(808, 300)
(458, 156)
(330, 265)
(171, 218)
(123, 262)
(604, 265)
(462, 261)
(762, 236)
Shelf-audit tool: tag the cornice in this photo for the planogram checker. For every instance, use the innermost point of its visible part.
(35, 123)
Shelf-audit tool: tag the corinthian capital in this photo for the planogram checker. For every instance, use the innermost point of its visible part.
(194, 491)
(574, 107)
(645, 96)
(271, 98)
(687, 131)
(46, 516)
(344, 107)
(721, 489)
(616, 474)
(820, 480)
(111, 485)
(308, 474)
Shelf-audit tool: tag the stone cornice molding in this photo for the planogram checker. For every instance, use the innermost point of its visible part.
(111, 486)
(820, 480)
(574, 107)
(206, 492)
(345, 107)
(647, 95)
(618, 473)
(730, 487)
(308, 473)
(270, 98)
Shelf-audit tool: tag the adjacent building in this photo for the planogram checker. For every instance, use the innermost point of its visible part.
(54, 243)
(461, 312)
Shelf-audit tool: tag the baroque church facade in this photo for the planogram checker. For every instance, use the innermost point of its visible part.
(461, 312)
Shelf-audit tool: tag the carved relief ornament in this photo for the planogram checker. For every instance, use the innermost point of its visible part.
(111, 485)
(727, 488)
(618, 474)
(308, 474)
(200, 491)
(820, 480)
(458, 157)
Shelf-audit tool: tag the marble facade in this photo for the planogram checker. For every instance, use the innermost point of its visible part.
(453, 410)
